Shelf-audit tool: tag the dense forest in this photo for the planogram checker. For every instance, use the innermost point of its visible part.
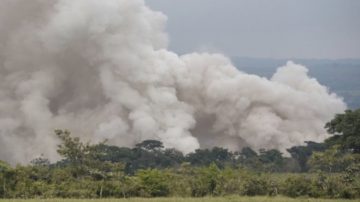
(330, 169)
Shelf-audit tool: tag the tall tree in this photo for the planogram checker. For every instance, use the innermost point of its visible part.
(302, 153)
(272, 159)
(5, 172)
(346, 131)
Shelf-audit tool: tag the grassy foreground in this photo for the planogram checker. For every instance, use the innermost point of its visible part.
(206, 199)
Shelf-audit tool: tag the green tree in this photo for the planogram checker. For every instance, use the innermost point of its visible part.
(346, 131)
(83, 159)
(302, 153)
(272, 159)
(296, 186)
(205, 181)
(255, 186)
(5, 174)
(150, 145)
(250, 159)
(153, 182)
(205, 157)
(332, 160)
(74, 152)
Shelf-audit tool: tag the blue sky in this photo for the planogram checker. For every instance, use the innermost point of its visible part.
(264, 28)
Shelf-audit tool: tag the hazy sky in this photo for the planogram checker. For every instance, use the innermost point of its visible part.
(264, 28)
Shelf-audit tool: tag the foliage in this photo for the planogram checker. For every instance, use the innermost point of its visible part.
(153, 183)
(205, 181)
(297, 186)
(302, 153)
(255, 186)
(188, 199)
(205, 157)
(330, 170)
(346, 130)
(332, 160)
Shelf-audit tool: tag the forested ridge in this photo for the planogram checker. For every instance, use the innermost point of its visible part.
(330, 169)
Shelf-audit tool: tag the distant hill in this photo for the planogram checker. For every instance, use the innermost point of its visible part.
(340, 76)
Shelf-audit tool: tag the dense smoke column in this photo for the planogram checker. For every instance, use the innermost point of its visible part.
(102, 70)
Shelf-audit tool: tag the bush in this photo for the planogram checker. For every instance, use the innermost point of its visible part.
(297, 186)
(255, 186)
(205, 181)
(153, 183)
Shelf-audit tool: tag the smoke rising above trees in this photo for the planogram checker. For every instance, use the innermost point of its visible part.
(102, 70)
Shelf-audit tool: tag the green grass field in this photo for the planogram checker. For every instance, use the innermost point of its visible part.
(206, 199)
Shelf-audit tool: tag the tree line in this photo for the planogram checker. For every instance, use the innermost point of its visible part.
(330, 169)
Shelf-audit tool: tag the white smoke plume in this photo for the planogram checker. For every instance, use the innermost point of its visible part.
(102, 70)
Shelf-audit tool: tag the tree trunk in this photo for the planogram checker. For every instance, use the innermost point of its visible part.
(4, 188)
(101, 190)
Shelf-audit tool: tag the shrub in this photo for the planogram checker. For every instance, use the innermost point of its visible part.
(255, 186)
(153, 183)
(297, 186)
(205, 181)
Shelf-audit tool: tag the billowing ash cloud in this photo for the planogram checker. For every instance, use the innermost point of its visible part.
(101, 69)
